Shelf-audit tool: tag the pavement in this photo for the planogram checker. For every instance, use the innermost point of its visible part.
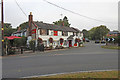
(88, 58)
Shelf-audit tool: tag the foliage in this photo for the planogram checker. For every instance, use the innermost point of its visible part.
(8, 30)
(23, 25)
(51, 47)
(20, 42)
(85, 75)
(62, 22)
(85, 33)
(32, 45)
(6, 42)
(111, 47)
(98, 33)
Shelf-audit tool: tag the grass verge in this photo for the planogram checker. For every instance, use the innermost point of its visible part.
(111, 47)
(104, 74)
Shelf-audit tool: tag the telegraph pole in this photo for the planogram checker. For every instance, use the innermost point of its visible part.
(2, 28)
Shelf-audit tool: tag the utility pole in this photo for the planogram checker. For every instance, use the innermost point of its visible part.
(2, 23)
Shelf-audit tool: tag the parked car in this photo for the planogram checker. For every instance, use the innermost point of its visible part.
(97, 41)
(87, 40)
(103, 41)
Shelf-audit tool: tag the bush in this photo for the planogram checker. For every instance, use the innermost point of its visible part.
(51, 47)
(81, 43)
(61, 47)
(32, 45)
(20, 42)
(11, 51)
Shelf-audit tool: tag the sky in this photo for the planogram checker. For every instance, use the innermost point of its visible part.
(105, 10)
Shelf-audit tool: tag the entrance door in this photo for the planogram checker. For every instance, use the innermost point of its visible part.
(70, 43)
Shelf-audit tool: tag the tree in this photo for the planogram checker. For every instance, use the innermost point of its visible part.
(20, 42)
(92, 33)
(62, 22)
(8, 30)
(85, 33)
(32, 45)
(23, 25)
(98, 32)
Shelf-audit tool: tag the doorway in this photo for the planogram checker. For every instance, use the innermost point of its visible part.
(70, 43)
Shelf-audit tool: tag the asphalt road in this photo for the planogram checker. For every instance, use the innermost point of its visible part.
(90, 57)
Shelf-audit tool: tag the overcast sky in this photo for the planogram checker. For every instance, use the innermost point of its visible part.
(105, 10)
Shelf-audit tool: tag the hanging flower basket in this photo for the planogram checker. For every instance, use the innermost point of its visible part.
(40, 40)
(76, 40)
(61, 41)
(79, 40)
(51, 40)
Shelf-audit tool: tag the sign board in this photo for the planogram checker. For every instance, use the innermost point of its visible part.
(110, 39)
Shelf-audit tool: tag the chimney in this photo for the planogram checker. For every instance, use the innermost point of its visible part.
(30, 23)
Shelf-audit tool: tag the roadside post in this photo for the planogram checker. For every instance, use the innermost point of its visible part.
(21, 50)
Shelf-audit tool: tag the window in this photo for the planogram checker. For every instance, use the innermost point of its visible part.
(55, 33)
(73, 34)
(43, 32)
(47, 32)
(76, 34)
(51, 33)
(65, 42)
(64, 33)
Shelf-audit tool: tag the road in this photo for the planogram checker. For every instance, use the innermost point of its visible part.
(90, 57)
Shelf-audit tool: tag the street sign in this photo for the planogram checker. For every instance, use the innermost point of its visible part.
(108, 39)
(113, 39)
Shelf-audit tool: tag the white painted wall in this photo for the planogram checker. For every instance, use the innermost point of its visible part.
(70, 33)
(19, 34)
(51, 32)
(59, 33)
(56, 38)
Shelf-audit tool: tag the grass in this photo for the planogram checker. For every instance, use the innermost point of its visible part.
(105, 74)
(111, 47)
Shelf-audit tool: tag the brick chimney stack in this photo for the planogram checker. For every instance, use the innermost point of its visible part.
(30, 23)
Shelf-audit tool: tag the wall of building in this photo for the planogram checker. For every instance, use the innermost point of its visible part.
(56, 39)
(19, 34)
(70, 33)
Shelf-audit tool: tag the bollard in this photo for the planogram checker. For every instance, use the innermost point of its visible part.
(21, 50)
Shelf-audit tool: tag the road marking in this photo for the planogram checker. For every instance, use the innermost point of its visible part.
(69, 73)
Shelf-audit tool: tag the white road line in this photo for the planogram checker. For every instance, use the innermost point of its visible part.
(69, 73)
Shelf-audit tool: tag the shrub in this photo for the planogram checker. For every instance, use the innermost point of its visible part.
(20, 42)
(51, 47)
(32, 45)
(17, 42)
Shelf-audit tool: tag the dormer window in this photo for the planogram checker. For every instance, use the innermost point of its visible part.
(43, 32)
(64, 33)
(76, 34)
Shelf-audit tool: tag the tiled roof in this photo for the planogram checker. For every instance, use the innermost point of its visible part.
(54, 27)
(42, 25)
(76, 29)
(70, 37)
(19, 31)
